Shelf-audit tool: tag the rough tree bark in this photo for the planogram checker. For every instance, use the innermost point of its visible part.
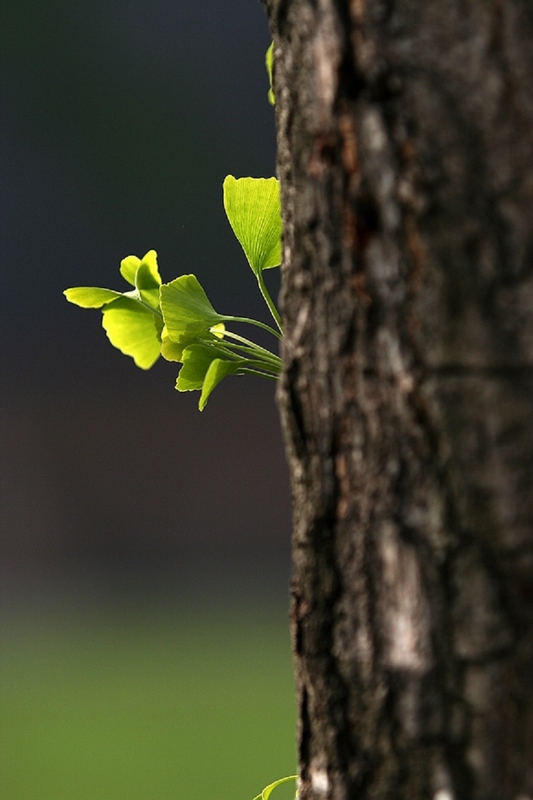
(405, 139)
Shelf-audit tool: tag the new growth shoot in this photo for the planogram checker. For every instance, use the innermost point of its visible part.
(177, 321)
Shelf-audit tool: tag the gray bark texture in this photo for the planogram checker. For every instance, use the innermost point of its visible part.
(405, 142)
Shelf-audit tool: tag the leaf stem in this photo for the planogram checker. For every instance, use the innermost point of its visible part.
(257, 323)
(269, 375)
(268, 300)
(255, 347)
(271, 359)
(135, 295)
(252, 354)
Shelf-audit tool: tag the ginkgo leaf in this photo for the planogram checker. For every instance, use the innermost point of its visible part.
(147, 285)
(218, 370)
(171, 351)
(267, 791)
(132, 329)
(147, 275)
(254, 212)
(203, 368)
(90, 296)
(129, 267)
(143, 274)
(196, 359)
(186, 309)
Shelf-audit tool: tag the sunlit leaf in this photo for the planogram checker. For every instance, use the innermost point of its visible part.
(129, 267)
(90, 296)
(148, 291)
(143, 274)
(171, 351)
(149, 278)
(196, 359)
(186, 309)
(203, 368)
(267, 791)
(218, 369)
(149, 271)
(254, 212)
(132, 329)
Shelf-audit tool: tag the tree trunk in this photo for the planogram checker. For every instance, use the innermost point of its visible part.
(405, 140)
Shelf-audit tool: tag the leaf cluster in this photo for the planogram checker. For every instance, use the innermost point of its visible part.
(177, 320)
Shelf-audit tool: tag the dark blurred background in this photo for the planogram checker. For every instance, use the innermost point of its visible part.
(118, 123)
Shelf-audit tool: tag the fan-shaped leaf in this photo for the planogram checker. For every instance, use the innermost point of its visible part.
(196, 361)
(171, 351)
(186, 309)
(203, 368)
(90, 296)
(132, 329)
(129, 267)
(218, 370)
(253, 209)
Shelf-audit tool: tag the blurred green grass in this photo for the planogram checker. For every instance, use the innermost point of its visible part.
(152, 706)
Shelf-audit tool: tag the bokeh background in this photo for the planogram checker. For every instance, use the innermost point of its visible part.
(144, 547)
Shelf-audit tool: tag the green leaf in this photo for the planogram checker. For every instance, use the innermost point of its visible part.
(149, 270)
(147, 288)
(143, 274)
(90, 296)
(186, 309)
(173, 351)
(254, 212)
(267, 791)
(269, 60)
(218, 370)
(203, 368)
(197, 359)
(131, 319)
(170, 350)
(129, 267)
(132, 329)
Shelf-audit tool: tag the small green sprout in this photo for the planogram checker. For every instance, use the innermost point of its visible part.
(269, 61)
(267, 791)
